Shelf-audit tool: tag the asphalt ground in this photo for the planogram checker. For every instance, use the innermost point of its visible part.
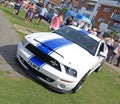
(8, 46)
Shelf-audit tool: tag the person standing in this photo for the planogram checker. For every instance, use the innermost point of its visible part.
(80, 24)
(94, 31)
(116, 45)
(30, 13)
(41, 14)
(118, 55)
(17, 7)
(69, 20)
(86, 27)
(110, 44)
(57, 22)
(23, 6)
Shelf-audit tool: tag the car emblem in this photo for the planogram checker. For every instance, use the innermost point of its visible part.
(54, 63)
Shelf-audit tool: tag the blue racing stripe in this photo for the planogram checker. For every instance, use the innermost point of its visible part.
(48, 47)
(53, 45)
(37, 61)
(85, 32)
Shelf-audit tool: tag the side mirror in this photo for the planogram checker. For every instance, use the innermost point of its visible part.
(102, 54)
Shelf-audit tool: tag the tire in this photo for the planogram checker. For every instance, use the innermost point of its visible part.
(79, 85)
(98, 69)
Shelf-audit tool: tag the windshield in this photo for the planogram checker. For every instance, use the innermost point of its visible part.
(78, 37)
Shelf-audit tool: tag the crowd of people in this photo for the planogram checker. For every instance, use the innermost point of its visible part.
(58, 21)
(113, 49)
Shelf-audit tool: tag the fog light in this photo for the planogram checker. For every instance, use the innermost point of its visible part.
(48, 79)
(62, 86)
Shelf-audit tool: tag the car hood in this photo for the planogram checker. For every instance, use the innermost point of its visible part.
(63, 50)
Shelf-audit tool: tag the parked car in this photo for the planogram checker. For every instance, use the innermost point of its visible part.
(62, 59)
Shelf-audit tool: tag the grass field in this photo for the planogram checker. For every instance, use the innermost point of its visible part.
(99, 88)
(8, 12)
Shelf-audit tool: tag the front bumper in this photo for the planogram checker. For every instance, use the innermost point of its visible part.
(47, 74)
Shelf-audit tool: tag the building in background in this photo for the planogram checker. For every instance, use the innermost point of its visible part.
(87, 8)
(108, 16)
(104, 13)
(53, 2)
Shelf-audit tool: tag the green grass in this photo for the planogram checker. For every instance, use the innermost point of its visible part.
(19, 20)
(8, 12)
(99, 88)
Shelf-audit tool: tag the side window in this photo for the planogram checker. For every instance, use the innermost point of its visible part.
(101, 48)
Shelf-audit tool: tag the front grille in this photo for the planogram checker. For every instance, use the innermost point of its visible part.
(43, 56)
(35, 72)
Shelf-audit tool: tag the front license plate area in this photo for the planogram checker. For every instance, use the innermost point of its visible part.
(33, 65)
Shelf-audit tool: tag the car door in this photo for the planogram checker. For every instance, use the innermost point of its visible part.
(102, 53)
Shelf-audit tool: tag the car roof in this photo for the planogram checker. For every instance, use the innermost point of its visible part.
(86, 33)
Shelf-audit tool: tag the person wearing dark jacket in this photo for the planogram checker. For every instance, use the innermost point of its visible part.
(69, 20)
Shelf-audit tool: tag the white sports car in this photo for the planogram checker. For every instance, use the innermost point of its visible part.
(62, 59)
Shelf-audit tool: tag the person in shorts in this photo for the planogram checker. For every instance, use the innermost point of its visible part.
(41, 14)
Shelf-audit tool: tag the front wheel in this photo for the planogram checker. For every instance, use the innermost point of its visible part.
(98, 69)
(79, 85)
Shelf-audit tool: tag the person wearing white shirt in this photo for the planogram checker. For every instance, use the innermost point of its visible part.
(110, 44)
(41, 14)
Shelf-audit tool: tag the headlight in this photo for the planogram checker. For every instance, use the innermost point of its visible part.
(24, 41)
(71, 71)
